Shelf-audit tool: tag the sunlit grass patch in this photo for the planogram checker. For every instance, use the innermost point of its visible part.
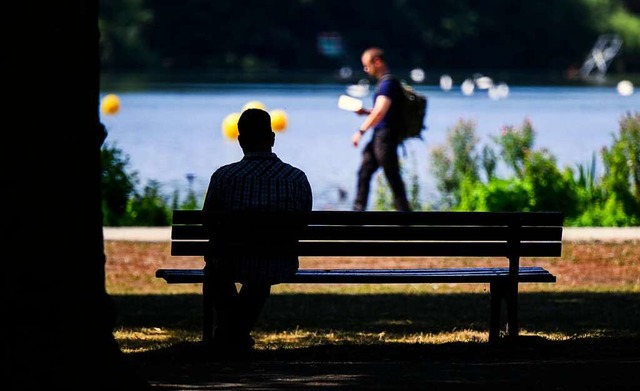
(148, 339)
(306, 338)
(143, 340)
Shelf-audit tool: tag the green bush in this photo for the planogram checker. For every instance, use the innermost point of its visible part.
(497, 195)
(151, 208)
(455, 163)
(548, 188)
(118, 184)
(614, 199)
(515, 144)
(123, 205)
(537, 184)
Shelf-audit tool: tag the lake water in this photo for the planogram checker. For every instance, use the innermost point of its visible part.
(169, 132)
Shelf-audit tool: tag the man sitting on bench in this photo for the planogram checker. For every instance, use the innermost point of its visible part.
(259, 182)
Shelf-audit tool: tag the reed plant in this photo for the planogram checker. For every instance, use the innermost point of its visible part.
(467, 180)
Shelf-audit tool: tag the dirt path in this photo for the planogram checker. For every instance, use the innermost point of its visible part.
(131, 265)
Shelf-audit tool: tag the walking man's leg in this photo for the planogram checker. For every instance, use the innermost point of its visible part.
(386, 152)
(368, 167)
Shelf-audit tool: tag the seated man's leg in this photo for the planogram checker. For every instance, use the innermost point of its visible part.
(225, 304)
(251, 300)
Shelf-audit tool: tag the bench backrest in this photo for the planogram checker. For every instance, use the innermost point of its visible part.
(345, 233)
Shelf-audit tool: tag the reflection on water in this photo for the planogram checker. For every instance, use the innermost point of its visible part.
(171, 132)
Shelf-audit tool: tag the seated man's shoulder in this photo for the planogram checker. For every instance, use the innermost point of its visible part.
(227, 168)
(291, 168)
(300, 174)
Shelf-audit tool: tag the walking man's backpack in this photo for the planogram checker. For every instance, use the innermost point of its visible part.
(413, 109)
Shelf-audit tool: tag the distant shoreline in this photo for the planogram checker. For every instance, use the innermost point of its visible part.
(571, 234)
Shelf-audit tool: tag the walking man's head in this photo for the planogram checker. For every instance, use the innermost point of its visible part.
(254, 131)
(373, 62)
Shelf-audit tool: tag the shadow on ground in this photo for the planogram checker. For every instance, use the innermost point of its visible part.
(568, 313)
(532, 363)
(610, 361)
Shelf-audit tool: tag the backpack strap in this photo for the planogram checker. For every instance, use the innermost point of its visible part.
(386, 76)
(404, 149)
(390, 76)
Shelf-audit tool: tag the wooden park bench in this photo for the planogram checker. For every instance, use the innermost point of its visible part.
(506, 235)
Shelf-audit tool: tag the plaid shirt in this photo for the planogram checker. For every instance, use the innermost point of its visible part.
(259, 181)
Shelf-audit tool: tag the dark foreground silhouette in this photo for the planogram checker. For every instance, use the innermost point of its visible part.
(532, 364)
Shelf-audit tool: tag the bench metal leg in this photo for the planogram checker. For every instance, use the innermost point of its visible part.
(513, 326)
(497, 292)
(509, 293)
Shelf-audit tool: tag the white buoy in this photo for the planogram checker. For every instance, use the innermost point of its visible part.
(484, 82)
(417, 75)
(446, 82)
(346, 72)
(359, 90)
(467, 87)
(625, 88)
(499, 91)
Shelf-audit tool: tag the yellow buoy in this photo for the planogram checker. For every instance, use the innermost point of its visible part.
(278, 120)
(254, 104)
(230, 126)
(110, 104)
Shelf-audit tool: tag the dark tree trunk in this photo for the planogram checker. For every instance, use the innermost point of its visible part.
(59, 317)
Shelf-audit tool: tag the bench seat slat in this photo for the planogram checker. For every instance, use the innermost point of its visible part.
(441, 233)
(395, 218)
(361, 276)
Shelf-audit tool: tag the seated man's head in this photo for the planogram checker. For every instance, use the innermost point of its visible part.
(254, 131)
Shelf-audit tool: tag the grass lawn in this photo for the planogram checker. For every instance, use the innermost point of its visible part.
(427, 334)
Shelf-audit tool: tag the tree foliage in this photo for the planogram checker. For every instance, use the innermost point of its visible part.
(282, 35)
